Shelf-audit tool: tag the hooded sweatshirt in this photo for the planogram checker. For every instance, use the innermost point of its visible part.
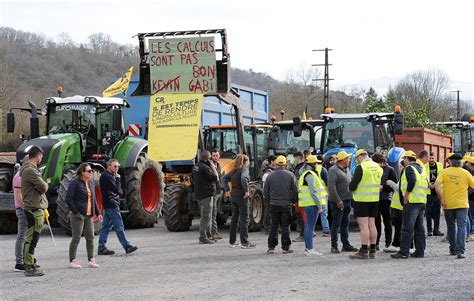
(33, 188)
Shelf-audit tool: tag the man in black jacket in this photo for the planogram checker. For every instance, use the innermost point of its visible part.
(111, 189)
(281, 191)
(204, 175)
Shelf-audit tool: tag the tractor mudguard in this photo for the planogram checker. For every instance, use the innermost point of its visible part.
(128, 150)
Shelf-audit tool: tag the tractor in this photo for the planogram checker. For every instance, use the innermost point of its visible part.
(92, 129)
(374, 132)
(462, 132)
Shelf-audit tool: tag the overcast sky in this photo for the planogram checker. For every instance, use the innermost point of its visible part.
(374, 42)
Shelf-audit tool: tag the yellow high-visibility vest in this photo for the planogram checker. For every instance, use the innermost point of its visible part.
(419, 192)
(396, 201)
(304, 194)
(369, 187)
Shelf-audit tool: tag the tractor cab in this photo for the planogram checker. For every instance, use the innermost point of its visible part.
(290, 136)
(374, 132)
(462, 133)
(96, 120)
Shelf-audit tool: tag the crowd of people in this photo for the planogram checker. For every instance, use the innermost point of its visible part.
(300, 191)
(31, 209)
(303, 191)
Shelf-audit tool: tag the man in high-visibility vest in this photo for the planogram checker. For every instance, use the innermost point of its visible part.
(413, 190)
(433, 206)
(366, 185)
(311, 194)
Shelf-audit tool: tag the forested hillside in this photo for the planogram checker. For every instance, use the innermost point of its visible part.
(32, 66)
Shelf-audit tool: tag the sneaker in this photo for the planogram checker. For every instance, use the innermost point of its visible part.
(359, 255)
(469, 238)
(349, 248)
(19, 267)
(93, 264)
(461, 256)
(206, 241)
(437, 233)
(372, 254)
(452, 253)
(430, 233)
(326, 234)
(74, 264)
(105, 252)
(33, 272)
(216, 236)
(398, 255)
(271, 251)
(289, 251)
(390, 250)
(299, 239)
(312, 252)
(416, 255)
(335, 251)
(377, 248)
(234, 245)
(130, 249)
(248, 246)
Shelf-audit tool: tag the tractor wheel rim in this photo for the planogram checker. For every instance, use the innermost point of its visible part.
(257, 208)
(150, 190)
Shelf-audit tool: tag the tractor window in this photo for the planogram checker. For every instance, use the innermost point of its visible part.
(288, 143)
(68, 118)
(356, 133)
(224, 140)
(457, 141)
(384, 136)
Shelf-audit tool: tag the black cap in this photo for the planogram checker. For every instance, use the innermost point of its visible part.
(455, 157)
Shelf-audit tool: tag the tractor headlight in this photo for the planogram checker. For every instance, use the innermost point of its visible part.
(50, 101)
(44, 111)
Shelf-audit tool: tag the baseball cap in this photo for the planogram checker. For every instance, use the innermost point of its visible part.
(409, 153)
(454, 156)
(280, 160)
(312, 159)
(342, 155)
(468, 159)
(360, 152)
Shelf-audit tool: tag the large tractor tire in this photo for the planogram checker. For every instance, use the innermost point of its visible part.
(62, 210)
(144, 191)
(257, 207)
(176, 211)
(8, 223)
(6, 178)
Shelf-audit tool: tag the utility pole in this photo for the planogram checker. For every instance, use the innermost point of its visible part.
(326, 76)
(458, 107)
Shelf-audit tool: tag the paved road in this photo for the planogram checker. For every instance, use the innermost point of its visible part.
(174, 266)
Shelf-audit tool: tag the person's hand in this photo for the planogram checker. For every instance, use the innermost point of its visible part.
(443, 203)
(227, 194)
(406, 197)
(247, 195)
(113, 193)
(99, 218)
(320, 209)
(390, 183)
(117, 175)
(340, 205)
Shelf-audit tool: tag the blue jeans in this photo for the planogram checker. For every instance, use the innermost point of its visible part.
(456, 222)
(340, 221)
(468, 225)
(311, 218)
(112, 218)
(324, 219)
(471, 215)
(412, 223)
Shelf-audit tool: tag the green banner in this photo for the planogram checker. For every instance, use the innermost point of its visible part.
(183, 65)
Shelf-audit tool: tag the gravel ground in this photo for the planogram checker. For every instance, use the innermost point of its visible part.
(174, 266)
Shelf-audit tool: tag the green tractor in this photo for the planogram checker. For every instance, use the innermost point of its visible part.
(92, 129)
